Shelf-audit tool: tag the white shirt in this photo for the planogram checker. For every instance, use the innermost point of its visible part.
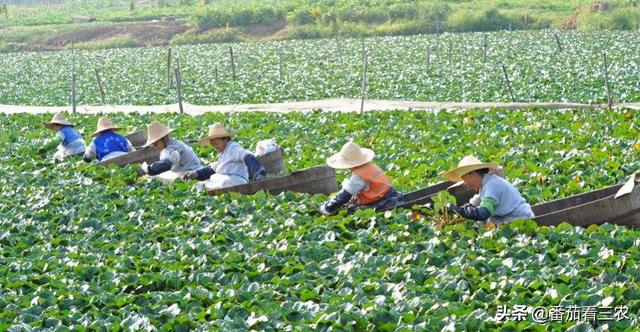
(231, 161)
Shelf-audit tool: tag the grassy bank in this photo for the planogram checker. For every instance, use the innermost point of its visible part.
(40, 28)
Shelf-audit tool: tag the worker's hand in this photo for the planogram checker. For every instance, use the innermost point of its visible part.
(189, 176)
(144, 169)
(324, 211)
(454, 209)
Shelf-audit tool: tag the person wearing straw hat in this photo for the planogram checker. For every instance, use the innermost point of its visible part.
(368, 186)
(176, 157)
(498, 200)
(72, 143)
(107, 143)
(235, 166)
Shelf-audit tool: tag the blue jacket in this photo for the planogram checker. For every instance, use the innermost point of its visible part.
(68, 135)
(108, 142)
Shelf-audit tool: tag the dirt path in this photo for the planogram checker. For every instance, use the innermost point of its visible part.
(328, 105)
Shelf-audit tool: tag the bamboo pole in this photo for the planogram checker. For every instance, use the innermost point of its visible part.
(558, 43)
(606, 81)
(364, 82)
(100, 86)
(506, 78)
(169, 69)
(233, 64)
(179, 90)
(73, 79)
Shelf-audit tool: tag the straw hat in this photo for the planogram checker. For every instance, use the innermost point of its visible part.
(350, 156)
(59, 119)
(468, 164)
(155, 132)
(216, 130)
(104, 124)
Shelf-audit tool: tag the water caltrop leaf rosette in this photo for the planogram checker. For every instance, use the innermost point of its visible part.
(83, 246)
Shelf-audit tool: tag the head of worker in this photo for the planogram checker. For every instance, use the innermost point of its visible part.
(157, 135)
(58, 122)
(104, 126)
(471, 171)
(219, 137)
(350, 156)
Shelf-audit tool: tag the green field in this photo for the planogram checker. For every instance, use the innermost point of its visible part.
(88, 247)
(408, 68)
(193, 22)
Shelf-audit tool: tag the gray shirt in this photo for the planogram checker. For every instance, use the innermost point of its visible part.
(510, 205)
(181, 155)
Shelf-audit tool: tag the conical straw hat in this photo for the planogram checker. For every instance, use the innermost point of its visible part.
(468, 164)
(58, 118)
(156, 131)
(216, 130)
(104, 124)
(350, 156)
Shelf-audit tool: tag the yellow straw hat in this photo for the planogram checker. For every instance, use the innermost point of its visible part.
(104, 124)
(216, 130)
(350, 156)
(59, 119)
(468, 164)
(155, 132)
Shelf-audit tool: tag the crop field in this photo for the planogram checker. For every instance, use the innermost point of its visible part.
(450, 67)
(86, 247)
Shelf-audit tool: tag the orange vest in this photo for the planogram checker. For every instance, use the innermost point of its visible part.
(379, 184)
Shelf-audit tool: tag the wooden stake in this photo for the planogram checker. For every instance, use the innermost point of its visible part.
(215, 71)
(280, 66)
(341, 58)
(525, 20)
(179, 90)
(558, 43)
(363, 92)
(506, 77)
(233, 64)
(450, 51)
(100, 86)
(169, 69)
(73, 80)
(428, 56)
(484, 49)
(606, 82)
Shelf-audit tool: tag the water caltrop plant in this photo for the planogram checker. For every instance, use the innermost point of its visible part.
(84, 247)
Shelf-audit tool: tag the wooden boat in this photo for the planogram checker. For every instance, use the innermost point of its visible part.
(595, 207)
(137, 138)
(314, 180)
(273, 162)
(148, 154)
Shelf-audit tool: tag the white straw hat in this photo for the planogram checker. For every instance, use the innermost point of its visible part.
(216, 130)
(155, 132)
(350, 156)
(468, 164)
(104, 124)
(59, 119)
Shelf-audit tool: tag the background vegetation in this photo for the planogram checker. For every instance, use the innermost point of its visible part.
(295, 19)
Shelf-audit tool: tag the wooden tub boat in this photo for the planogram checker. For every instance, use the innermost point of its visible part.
(314, 180)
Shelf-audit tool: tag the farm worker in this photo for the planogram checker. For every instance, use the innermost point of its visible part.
(72, 143)
(235, 166)
(107, 143)
(176, 157)
(368, 186)
(498, 200)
